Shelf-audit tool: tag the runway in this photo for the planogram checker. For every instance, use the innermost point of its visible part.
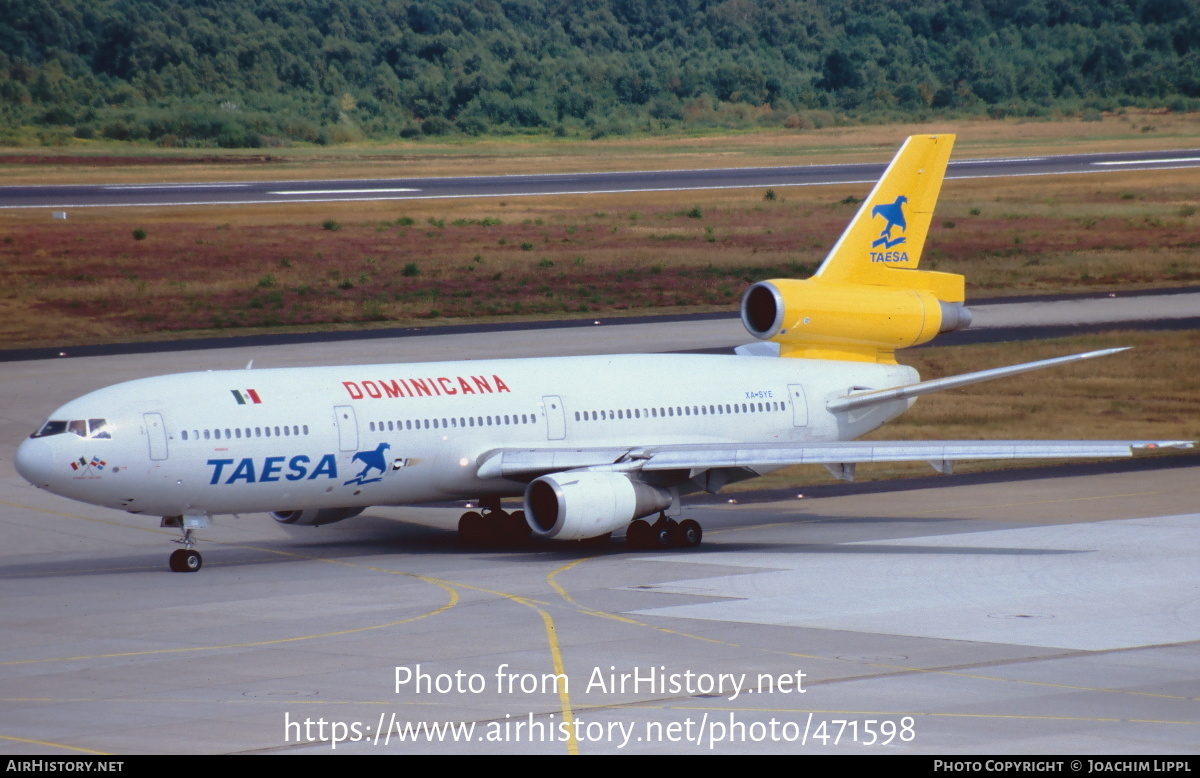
(1010, 615)
(242, 193)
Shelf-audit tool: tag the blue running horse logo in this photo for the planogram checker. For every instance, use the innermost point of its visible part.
(894, 215)
(373, 461)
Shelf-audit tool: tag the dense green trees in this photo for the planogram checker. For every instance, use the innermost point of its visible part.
(260, 72)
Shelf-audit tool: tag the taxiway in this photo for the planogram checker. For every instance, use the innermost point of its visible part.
(1029, 612)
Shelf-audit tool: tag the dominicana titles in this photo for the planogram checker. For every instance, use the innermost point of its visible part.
(425, 387)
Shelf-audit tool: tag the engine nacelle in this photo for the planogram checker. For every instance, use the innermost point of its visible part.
(846, 321)
(314, 517)
(575, 506)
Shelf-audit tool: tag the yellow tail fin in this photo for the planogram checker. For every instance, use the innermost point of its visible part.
(888, 232)
(868, 298)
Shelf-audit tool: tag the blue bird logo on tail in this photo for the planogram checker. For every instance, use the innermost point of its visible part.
(893, 213)
(373, 460)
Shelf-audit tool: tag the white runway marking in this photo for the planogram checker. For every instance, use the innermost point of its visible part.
(994, 160)
(174, 186)
(1093, 586)
(1148, 161)
(344, 191)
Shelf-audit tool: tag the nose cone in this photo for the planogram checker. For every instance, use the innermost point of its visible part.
(33, 461)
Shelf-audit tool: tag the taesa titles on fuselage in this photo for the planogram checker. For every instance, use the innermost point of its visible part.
(595, 445)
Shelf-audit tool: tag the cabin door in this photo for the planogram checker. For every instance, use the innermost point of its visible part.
(799, 405)
(347, 425)
(556, 419)
(156, 434)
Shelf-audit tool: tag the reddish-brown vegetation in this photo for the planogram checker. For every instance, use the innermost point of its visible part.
(90, 278)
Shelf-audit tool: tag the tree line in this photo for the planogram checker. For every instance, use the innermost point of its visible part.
(268, 72)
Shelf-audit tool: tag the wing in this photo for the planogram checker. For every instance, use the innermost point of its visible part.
(840, 457)
(712, 465)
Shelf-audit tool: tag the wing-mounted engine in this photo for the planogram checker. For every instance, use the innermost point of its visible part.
(314, 517)
(868, 298)
(582, 504)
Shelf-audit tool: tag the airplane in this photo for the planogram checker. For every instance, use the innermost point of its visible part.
(594, 444)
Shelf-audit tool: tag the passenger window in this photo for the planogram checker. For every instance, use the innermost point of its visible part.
(185, 434)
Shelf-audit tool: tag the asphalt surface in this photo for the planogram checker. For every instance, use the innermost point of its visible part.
(1031, 612)
(66, 196)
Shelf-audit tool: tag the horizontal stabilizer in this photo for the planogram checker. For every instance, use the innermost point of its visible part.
(866, 399)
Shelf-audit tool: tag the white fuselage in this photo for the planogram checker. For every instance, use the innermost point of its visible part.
(326, 437)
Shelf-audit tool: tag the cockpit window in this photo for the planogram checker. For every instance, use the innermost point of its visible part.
(97, 429)
(52, 427)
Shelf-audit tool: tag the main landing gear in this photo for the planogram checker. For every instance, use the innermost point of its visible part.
(493, 527)
(664, 533)
(186, 559)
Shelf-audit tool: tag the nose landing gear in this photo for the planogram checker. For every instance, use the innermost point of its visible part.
(186, 559)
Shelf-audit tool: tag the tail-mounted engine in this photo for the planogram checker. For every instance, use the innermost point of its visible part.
(847, 321)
